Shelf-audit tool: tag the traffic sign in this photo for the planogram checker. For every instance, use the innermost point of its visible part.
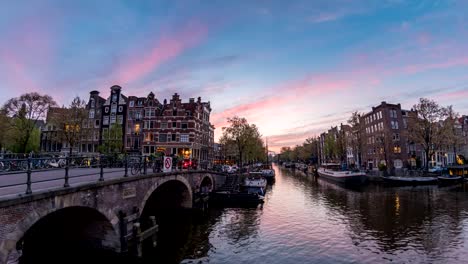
(167, 164)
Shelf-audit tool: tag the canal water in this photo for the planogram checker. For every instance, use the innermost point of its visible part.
(309, 220)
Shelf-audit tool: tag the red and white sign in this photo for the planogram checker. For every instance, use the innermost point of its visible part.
(167, 164)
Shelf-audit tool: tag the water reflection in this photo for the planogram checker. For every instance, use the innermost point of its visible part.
(308, 220)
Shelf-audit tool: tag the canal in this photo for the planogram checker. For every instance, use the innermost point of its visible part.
(308, 220)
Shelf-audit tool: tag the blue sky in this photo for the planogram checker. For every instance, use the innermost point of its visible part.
(292, 67)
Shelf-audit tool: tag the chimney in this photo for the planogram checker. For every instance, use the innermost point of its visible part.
(192, 100)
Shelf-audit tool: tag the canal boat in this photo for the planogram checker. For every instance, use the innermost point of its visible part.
(254, 183)
(449, 179)
(410, 180)
(332, 172)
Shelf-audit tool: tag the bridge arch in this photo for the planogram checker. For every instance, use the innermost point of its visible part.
(166, 194)
(71, 230)
(207, 183)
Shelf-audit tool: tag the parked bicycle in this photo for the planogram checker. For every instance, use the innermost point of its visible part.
(139, 167)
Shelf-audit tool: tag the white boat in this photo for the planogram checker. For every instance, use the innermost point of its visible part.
(255, 184)
(331, 171)
(268, 173)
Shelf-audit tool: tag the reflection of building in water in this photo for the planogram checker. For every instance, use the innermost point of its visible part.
(425, 217)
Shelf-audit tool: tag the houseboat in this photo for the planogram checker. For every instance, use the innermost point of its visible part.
(333, 172)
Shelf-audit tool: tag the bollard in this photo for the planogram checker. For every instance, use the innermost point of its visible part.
(136, 239)
(28, 180)
(154, 237)
(101, 172)
(126, 165)
(123, 232)
(67, 167)
(144, 165)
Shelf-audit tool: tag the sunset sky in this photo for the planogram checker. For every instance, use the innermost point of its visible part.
(294, 68)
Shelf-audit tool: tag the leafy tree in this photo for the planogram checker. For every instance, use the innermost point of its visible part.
(25, 112)
(427, 127)
(244, 138)
(112, 141)
(4, 128)
(330, 147)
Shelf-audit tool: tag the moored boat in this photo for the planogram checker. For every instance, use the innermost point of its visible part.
(449, 179)
(410, 180)
(331, 171)
(236, 198)
(255, 184)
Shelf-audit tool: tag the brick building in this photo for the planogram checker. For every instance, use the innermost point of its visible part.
(90, 141)
(385, 131)
(177, 128)
(114, 113)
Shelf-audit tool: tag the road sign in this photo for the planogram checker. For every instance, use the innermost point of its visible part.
(167, 164)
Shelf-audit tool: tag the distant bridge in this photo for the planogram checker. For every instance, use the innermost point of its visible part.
(101, 209)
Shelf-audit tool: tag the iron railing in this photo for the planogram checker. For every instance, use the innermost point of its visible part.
(33, 171)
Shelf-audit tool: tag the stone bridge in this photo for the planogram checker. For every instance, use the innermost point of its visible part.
(98, 215)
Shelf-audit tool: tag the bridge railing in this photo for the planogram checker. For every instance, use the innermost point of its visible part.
(49, 172)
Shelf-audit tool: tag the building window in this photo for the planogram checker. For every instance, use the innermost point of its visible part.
(396, 137)
(163, 125)
(173, 137)
(131, 104)
(114, 108)
(148, 136)
(114, 98)
(398, 164)
(397, 149)
(91, 113)
(184, 125)
(112, 119)
(105, 121)
(184, 138)
(174, 124)
(405, 123)
(162, 137)
(393, 113)
(174, 112)
(96, 123)
(120, 108)
(394, 124)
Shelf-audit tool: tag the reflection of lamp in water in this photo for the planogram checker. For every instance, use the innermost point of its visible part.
(397, 204)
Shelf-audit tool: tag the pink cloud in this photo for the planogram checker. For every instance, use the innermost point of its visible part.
(166, 47)
(460, 94)
(28, 48)
(288, 94)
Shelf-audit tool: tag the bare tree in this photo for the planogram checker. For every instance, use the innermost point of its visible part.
(71, 121)
(427, 127)
(356, 141)
(25, 112)
(453, 135)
